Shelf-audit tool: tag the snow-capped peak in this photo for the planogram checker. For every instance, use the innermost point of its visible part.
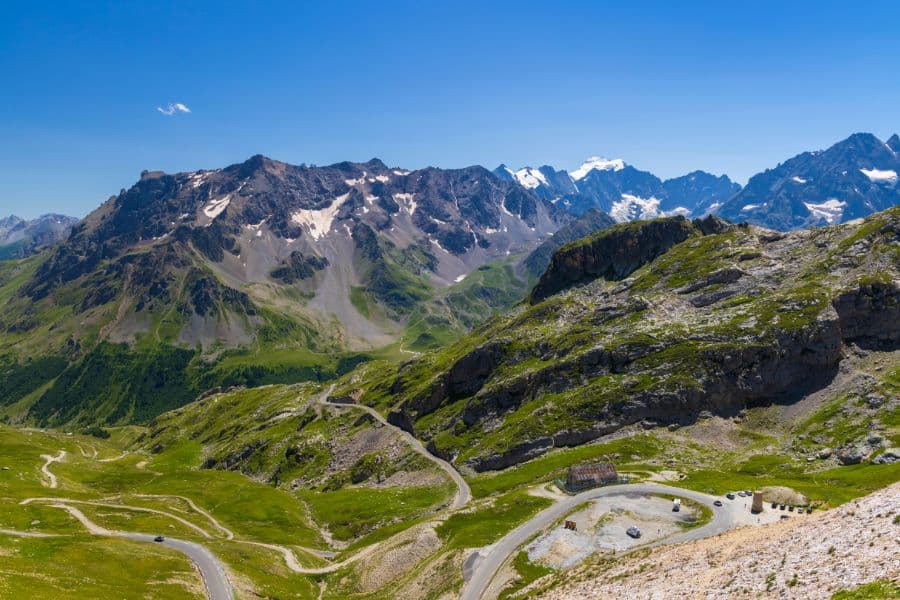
(528, 177)
(597, 163)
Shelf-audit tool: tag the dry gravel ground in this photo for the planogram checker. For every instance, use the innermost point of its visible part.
(397, 558)
(812, 558)
(601, 526)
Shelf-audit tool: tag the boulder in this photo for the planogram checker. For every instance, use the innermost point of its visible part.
(889, 456)
(851, 455)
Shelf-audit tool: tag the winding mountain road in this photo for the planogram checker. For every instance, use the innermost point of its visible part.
(144, 509)
(485, 569)
(211, 570)
(45, 469)
(463, 493)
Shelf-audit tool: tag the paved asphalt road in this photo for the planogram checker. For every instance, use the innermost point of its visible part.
(487, 566)
(214, 578)
(463, 493)
(217, 585)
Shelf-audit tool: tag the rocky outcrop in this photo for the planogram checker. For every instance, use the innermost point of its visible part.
(591, 221)
(613, 253)
(729, 275)
(870, 315)
(888, 457)
(298, 267)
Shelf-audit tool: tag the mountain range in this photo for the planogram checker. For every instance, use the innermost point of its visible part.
(623, 191)
(849, 180)
(264, 272)
(853, 178)
(20, 237)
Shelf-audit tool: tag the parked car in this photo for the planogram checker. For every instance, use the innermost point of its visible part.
(633, 532)
(717, 503)
(774, 505)
(730, 496)
(159, 538)
(791, 508)
(783, 517)
(781, 507)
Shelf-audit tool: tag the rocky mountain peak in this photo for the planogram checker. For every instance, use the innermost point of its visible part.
(10, 221)
(851, 179)
(894, 143)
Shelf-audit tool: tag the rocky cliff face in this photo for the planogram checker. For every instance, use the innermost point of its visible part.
(727, 318)
(591, 221)
(615, 253)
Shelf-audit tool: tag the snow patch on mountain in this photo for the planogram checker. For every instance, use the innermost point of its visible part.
(879, 176)
(629, 208)
(215, 207)
(319, 221)
(408, 201)
(599, 164)
(831, 210)
(529, 178)
(197, 179)
(678, 211)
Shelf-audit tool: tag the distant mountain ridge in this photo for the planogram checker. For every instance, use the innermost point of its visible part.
(20, 237)
(624, 192)
(852, 179)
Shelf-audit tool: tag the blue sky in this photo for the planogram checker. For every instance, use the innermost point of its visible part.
(670, 87)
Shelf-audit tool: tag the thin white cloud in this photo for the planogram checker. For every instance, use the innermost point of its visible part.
(172, 108)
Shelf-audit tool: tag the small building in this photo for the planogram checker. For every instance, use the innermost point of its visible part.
(581, 477)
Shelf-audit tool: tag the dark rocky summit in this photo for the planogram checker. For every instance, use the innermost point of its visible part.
(612, 254)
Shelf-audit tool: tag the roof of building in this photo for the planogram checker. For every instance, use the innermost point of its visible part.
(597, 471)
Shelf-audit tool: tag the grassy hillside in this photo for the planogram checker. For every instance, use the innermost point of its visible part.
(719, 323)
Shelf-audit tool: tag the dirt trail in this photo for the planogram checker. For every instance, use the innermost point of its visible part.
(90, 453)
(184, 522)
(115, 458)
(294, 565)
(229, 535)
(92, 527)
(46, 470)
(31, 534)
